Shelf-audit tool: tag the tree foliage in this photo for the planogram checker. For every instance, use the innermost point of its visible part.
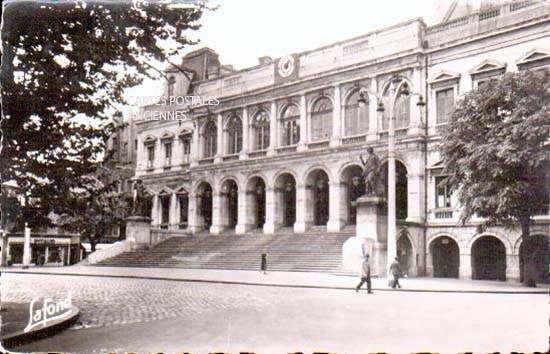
(496, 149)
(96, 207)
(64, 67)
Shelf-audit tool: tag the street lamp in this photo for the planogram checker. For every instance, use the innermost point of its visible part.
(398, 88)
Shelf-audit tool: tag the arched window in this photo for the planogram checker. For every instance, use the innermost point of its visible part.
(356, 116)
(402, 112)
(210, 135)
(261, 130)
(290, 121)
(321, 119)
(234, 135)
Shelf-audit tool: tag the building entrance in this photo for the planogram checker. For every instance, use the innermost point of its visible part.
(405, 254)
(205, 207)
(286, 200)
(445, 257)
(488, 259)
(231, 192)
(318, 197)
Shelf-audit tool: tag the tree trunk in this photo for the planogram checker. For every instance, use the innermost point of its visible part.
(93, 242)
(528, 251)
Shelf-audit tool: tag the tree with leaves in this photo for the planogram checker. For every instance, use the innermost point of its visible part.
(496, 153)
(96, 207)
(65, 66)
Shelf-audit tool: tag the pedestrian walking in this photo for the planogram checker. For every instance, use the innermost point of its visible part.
(395, 270)
(365, 275)
(263, 264)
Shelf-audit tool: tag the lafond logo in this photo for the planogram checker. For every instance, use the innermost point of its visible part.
(46, 311)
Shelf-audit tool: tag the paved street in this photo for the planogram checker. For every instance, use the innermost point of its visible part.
(160, 315)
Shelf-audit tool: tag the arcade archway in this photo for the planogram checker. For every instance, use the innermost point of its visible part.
(353, 186)
(285, 196)
(204, 199)
(445, 257)
(230, 204)
(405, 253)
(317, 184)
(488, 259)
(255, 194)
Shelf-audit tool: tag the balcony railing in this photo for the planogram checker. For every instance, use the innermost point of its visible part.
(287, 149)
(256, 154)
(318, 145)
(352, 140)
(206, 161)
(231, 157)
(444, 214)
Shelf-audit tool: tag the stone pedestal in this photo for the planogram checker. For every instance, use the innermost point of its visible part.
(138, 231)
(372, 227)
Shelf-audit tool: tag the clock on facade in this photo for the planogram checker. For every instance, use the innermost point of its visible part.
(286, 66)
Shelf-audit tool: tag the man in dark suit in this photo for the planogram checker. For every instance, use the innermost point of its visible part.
(365, 275)
(395, 270)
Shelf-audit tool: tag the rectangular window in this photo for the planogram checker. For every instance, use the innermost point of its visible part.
(442, 195)
(445, 104)
(168, 154)
(321, 125)
(150, 156)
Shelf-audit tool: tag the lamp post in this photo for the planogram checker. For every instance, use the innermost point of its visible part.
(398, 87)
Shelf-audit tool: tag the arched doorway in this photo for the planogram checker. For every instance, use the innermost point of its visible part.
(405, 253)
(256, 202)
(353, 187)
(539, 251)
(318, 197)
(488, 259)
(285, 189)
(230, 202)
(445, 257)
(401, 188)
(204, 195)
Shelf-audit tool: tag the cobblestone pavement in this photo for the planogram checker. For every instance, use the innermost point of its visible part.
(137, 315)
(113, 301)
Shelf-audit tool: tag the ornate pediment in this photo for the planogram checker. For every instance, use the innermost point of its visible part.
(533, 58)
(149, 140)
(167, 136)
(444, 76)
(490, 67)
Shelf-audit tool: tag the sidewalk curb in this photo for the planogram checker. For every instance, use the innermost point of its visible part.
(351, 288)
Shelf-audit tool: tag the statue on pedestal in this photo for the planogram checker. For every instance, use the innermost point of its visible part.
(140, 200)
(371, 173)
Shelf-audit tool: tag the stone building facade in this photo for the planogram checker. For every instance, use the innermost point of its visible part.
(278, 145)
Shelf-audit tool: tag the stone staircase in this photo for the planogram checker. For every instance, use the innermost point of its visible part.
(313, 251)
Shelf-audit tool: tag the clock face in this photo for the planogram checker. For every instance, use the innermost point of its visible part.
(286, 66)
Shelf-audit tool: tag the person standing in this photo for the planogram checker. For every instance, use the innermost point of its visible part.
(365, 275)
(395, 270)
(263, 264)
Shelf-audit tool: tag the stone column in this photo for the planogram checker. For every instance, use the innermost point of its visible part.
(246, 137)
(217, 214)
(335, 221)
(512, 268)
(273, 136)
(430, 265)
(220, 141)
(465, 266)
(415, 200)
(270, 211)
(195, 224)
(303, 123)
(173, 215)
(336, 118)
(155, 222)
(302, 222)
(245, 212)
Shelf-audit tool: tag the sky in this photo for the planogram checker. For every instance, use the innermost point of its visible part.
(241, 31)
